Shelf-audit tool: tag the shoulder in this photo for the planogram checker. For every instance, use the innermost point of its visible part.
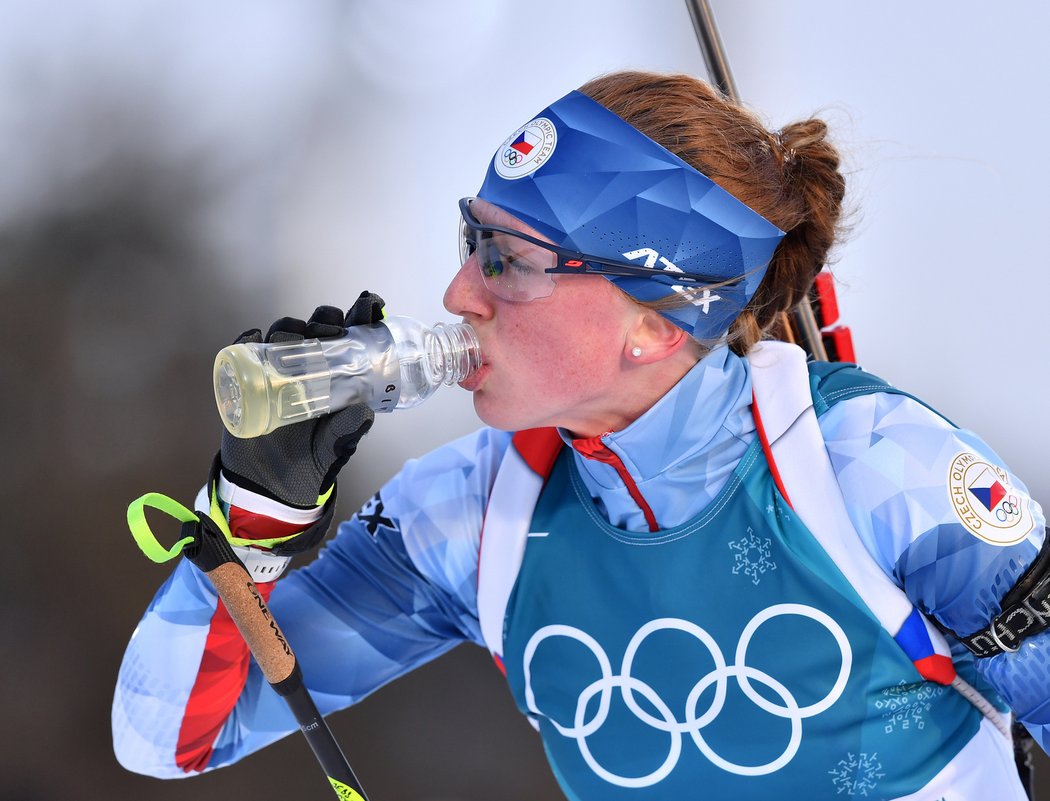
(834, 382)
(906, 471)
(873, 427)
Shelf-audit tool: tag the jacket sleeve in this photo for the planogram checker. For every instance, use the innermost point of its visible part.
(393, 589)
(943, 515)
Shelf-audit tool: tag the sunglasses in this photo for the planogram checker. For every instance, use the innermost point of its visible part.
(518, 267)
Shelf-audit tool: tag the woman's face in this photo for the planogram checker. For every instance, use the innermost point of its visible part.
(554, 361)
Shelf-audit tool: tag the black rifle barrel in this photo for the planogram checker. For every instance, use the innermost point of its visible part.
(711, 47)
(802, 317)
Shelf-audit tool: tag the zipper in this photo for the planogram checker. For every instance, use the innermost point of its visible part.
(596, 449)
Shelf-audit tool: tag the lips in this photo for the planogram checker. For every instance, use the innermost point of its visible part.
(475, 379)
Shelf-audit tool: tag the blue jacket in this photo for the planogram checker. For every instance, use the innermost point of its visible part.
(397, 586)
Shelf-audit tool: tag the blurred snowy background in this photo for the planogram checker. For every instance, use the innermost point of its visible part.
(174, 173)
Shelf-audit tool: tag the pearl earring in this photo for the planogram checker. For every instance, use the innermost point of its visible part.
(636, 352)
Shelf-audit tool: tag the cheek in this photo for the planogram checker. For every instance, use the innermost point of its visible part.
(551, 359)
(568, 355)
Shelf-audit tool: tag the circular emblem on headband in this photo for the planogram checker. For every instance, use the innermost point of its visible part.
(526, 150)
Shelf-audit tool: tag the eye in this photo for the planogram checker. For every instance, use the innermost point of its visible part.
(522, 257)
(520, 265)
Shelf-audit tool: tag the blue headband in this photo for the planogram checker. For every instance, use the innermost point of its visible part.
(586, 179)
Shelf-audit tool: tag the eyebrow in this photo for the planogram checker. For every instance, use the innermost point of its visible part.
(490, 214)
(493, 215)
(518, 248)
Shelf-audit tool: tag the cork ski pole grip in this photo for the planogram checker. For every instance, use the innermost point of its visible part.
(252, 616)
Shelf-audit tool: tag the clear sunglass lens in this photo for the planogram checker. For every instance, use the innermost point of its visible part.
(511, 267)
(467, 243)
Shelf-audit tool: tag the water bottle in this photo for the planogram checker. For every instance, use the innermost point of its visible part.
(394, 364)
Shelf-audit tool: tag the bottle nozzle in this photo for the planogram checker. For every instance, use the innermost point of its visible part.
(459, 352)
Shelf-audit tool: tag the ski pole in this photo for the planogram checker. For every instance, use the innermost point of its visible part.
(256, 623)
(802, 321)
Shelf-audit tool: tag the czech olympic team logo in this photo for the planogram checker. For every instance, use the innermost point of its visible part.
(693, 722)
(526, 150)
(985, 501)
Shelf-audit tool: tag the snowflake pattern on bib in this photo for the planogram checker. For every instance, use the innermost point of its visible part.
(752, 556)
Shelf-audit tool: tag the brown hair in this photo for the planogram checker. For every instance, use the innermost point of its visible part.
(790, 177)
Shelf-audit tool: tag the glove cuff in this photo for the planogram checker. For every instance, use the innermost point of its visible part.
(247, 484)
(265, 558)
(262, 565)
(312, 536)
(255, 516)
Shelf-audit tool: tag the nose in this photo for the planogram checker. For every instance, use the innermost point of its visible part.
(466, 295)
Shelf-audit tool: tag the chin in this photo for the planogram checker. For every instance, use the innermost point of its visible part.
(500, 421)
(499, 416)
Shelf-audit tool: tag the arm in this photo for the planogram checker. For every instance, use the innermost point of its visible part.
(395, 588)
(939, 511)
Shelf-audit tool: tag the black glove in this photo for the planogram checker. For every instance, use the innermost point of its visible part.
(297, 463)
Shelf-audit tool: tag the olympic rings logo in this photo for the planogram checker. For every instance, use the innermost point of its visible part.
(1010, 507)
(693, 724)
(511, 157)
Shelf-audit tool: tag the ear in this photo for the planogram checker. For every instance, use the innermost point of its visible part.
(655, 337)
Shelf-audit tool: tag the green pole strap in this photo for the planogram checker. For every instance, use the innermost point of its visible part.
(217, 515)
(148, 542)
(140, 529)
